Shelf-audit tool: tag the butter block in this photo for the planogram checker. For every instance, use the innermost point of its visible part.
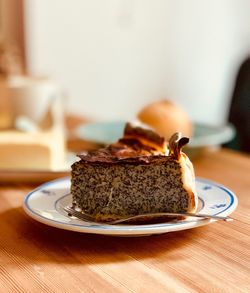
(32, 151)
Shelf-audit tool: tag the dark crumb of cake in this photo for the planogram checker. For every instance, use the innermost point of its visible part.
(128, 189)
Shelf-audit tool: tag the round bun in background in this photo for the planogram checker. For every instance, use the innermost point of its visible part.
(166, 118)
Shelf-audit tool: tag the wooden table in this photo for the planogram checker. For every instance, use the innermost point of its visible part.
(214, 258)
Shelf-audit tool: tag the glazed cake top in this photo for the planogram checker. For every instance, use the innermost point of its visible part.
(138, 145)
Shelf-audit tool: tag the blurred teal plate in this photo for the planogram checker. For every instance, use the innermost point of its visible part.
(109, 132)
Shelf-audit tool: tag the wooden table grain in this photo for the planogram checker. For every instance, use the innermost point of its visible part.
(213, 258)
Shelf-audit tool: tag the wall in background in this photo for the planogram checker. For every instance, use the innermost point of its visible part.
(114, 56)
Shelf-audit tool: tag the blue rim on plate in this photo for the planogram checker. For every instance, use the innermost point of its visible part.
(45, 204)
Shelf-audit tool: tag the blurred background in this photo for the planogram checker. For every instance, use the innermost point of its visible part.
(112, 57)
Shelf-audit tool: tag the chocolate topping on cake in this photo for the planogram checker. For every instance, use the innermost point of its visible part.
(142, 134)
(138, 145)
(176, 143)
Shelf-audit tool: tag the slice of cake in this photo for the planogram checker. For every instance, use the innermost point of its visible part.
(136, 175)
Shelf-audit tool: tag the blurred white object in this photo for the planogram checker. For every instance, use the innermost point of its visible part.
(31, 97)
(23, 123)
(115, 56)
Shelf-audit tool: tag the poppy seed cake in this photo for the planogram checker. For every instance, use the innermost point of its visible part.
(136, 175)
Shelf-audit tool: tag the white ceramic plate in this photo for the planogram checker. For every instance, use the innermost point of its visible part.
(109, 132)
(45, 204)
